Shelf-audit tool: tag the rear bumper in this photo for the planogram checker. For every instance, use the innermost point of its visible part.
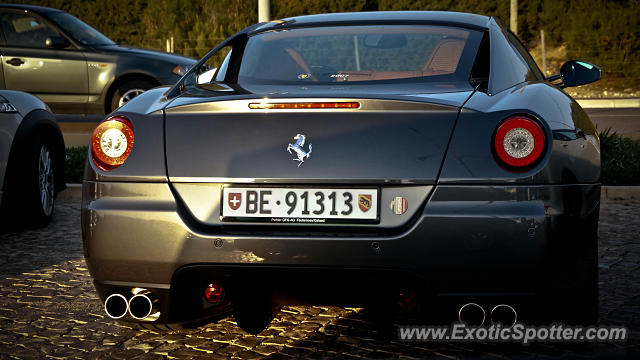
(466, 240)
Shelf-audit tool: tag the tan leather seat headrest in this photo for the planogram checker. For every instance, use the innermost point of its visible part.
(445, 57)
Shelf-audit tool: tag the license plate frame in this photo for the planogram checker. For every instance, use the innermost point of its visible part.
(233, 216)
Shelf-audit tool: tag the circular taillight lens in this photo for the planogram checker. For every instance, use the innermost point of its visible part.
(111, 142)
(519, 142)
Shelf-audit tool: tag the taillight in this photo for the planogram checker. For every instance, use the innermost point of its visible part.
(111, 142)
(519, 142)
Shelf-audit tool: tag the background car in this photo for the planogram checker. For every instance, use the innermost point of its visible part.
(355, 159)
(71, 66)
(31, 160)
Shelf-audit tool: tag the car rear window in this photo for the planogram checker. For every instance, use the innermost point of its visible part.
(356, 54)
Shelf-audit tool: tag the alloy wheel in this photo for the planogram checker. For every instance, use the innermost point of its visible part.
(45, 180)
(128, 95)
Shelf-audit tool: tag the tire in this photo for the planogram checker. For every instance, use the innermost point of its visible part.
(575, 305)
(36, 183)
(128, 91)
(254, 320)
(574, 296)
(586, 313)
(579, 303)
(254, 311)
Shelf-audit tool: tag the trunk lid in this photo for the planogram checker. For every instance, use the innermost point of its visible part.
(382, 141)
(381, 144)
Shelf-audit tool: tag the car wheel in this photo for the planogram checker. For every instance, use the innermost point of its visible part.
(573, 297)
(254, 311)
(585, 304)
(578, 304)
(253, 320)
(573, 305)
(127, 91)
(38, 183)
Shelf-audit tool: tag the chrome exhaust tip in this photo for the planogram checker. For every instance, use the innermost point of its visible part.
(472, 314)
(142, 306)
(504, 314)
(116, 306)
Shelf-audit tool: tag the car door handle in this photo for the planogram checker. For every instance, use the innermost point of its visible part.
(15, 62)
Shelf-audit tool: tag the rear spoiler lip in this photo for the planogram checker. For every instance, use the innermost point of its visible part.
(241, 104)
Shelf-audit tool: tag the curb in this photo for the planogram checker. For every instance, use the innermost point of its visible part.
(73, 193)
(620, 193)
(608, 103)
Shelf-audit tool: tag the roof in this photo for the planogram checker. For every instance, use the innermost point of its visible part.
(380, 17)
(34, 8)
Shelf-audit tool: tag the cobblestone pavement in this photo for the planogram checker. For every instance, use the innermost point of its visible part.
(48, 308)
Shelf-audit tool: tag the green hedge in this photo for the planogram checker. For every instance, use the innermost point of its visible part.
(620, 160)
(74, 164)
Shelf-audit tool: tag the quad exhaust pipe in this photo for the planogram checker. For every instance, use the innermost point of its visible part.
(141, 306)
(474, 315)
(116, 306)
(504, 314)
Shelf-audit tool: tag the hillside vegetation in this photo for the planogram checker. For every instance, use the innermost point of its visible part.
(603, 32)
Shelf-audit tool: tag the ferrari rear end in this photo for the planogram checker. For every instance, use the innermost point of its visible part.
(348, 159)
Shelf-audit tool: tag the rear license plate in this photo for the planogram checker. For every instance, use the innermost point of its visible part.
(301, 205)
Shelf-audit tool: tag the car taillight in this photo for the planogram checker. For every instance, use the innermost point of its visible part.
(111, 142)
(519, 142)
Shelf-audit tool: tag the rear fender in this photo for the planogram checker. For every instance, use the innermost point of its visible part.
(146, 163)
(38, 120)
(570, 160)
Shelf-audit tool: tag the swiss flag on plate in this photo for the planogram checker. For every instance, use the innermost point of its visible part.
(235, 199)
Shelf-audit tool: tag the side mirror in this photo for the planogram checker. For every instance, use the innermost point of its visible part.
(56, 42)
(576, 73)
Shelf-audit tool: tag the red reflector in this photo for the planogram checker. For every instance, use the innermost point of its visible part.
(306, 105)
(214, 293)
(519, 142)
(111, 142)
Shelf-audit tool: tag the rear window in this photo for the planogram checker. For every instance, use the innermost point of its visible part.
(357, 54)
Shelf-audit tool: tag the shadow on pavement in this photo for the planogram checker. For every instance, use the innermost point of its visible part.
(24, 250)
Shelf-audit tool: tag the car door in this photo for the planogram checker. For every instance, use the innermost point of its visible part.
(57, 76)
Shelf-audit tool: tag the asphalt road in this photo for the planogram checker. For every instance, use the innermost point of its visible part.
(49, 309)
(77, 129)
(623, 121)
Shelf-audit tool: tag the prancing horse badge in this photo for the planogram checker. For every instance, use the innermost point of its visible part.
(298, 147)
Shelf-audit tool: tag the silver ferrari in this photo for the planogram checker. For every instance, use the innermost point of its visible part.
(361, 159)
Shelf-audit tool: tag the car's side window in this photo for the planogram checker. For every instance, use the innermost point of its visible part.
(25, 30)
(482, 65)
(522, 50)
(215, 68)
